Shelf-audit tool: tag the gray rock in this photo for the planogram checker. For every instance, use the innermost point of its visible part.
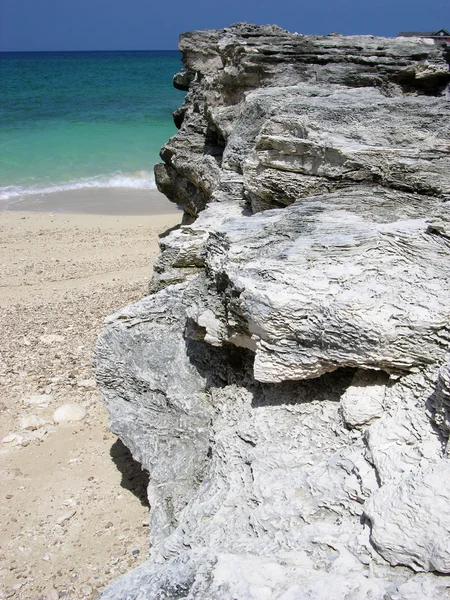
(303, 114)
(296, 279)
(284, 380)
(441, 400)
(159, 408)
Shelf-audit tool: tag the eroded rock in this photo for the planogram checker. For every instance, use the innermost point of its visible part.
(285, 383)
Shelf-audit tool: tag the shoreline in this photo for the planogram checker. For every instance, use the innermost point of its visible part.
(95, 201)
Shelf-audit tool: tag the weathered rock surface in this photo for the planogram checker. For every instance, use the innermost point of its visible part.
(410, 519)
(442, 400)
(286, 383)
(374, 292)
(278, 116)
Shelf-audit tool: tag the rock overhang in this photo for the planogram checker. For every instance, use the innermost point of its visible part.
(353, 278)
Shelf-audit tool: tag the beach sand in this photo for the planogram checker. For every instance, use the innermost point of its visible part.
(114, 201)
(72, 499)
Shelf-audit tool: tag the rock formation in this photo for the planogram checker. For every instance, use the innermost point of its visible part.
(286, 381)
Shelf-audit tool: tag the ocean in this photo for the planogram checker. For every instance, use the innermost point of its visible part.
(83, 120)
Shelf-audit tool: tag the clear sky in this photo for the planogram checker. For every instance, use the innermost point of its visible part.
(155, 25)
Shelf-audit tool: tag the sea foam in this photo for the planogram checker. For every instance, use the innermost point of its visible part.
(139, 180)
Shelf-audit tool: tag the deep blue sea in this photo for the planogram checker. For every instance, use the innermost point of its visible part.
(74, 120)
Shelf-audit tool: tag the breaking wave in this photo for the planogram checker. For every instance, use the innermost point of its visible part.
(139, 180)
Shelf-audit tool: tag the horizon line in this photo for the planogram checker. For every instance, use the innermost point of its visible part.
(118, 50)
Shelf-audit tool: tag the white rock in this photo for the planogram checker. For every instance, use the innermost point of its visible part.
(32, 422)
(212, 325)
(39, 399)
(402, 442)
(13, 439)
(411, 519)
(69, 412)
(39, 434)
(24, 438)
(70, 502)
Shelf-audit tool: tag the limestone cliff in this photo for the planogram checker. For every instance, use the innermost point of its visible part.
(286, 382)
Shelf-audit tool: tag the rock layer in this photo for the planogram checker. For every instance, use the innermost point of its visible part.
(286, 381)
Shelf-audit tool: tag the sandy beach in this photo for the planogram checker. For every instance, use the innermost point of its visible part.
(96, 201)
(72, 499)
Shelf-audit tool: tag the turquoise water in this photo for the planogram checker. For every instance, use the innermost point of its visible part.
(74, 120)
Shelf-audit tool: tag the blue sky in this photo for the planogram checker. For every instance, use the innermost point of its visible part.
(149, 24)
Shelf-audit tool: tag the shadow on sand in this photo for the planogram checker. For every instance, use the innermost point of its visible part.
(134, 478)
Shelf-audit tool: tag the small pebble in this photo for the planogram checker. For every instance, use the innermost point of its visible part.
(86, 590)
(66, 516)
(87, 384)
(13, 439)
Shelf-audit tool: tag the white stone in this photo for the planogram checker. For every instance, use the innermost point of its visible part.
(213, 326)
(13, 439)
(25, 437)
(32, 422)
(69, 412)
(40, 433)
(39, 399)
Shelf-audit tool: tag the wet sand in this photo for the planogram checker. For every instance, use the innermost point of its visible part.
(99, 201)
(72, 499)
